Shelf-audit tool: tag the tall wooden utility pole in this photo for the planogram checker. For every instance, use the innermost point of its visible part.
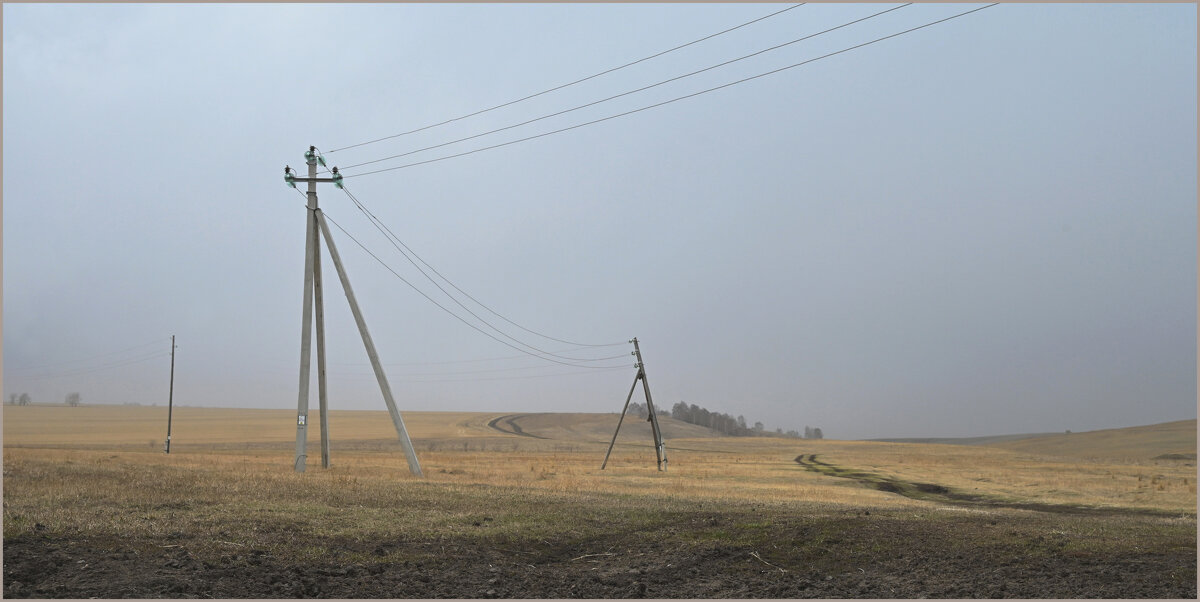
(660, 451)
(171, 395)
(317, 228)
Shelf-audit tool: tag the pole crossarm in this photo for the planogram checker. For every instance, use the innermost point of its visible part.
(313, 292)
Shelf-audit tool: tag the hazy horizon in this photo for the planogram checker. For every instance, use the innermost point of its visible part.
(983, 227)
(770, 428)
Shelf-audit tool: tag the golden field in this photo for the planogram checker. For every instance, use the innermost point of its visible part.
(563, 452)
(516, 505)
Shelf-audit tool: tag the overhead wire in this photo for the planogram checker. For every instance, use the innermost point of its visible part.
(387, 232)
(627, 93)
(462, 372)
(446, 380)
(666, 102)
(109, 366)
(455, 315)
(581, 80)
(592, 369)
(393, 239)
(96, 356)
(440, 362)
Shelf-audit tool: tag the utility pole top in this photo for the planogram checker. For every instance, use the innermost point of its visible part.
(312, 158)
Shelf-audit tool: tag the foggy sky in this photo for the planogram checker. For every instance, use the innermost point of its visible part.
(982, 227)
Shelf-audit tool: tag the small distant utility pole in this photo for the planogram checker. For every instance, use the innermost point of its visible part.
(171, 395)
(317, 228)
(660, 451)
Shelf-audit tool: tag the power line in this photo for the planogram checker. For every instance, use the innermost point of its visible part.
(110, 366)
(486, 371)
(642, 89)
(666, 102)
(379, 225)
(567, 84)
(94, 357)
(443, 308)
(387, 232)
(459, 380)
(444, 362)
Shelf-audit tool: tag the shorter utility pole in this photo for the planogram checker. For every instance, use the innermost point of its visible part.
(171, 395)
(660, 451)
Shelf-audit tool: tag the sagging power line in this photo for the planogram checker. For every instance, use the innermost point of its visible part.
(451, 313)
(409, 254)
(82, 360)
(448, 362)
(80, 371)
(406, 251)
(560, 87)
(483, 371)
(406, 379)
(670, 101)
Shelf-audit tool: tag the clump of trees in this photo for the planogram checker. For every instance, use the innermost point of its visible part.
(721, 423)
(729, 425)
(639, 409)
(72, 399)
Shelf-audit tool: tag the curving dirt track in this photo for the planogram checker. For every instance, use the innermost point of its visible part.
(513, 428)
(942, 494)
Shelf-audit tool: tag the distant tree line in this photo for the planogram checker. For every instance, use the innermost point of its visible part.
(726, 424)
(24, 399)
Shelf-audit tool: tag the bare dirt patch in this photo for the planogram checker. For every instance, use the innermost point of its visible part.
(687, 555)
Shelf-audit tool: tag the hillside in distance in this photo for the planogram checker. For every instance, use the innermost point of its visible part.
(98, 425)
(1168, 440)
(40, 425)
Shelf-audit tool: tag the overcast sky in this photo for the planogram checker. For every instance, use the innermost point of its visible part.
(985, 226)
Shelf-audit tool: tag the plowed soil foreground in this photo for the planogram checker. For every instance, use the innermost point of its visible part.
(721, 554)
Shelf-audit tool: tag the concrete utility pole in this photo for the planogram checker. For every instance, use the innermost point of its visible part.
(660, 451)
(170, 395)
(316, 228)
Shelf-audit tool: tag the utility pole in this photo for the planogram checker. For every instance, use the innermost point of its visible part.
(171, 395)
(660, 451)
(316, 228)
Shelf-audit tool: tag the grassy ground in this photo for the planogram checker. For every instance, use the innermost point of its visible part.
(93, 508)
(1134, 444)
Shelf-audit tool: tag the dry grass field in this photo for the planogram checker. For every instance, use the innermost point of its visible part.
(515, 505)
(1134, 444)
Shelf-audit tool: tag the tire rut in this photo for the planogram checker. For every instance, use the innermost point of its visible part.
(932, 492)
(511, 421)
